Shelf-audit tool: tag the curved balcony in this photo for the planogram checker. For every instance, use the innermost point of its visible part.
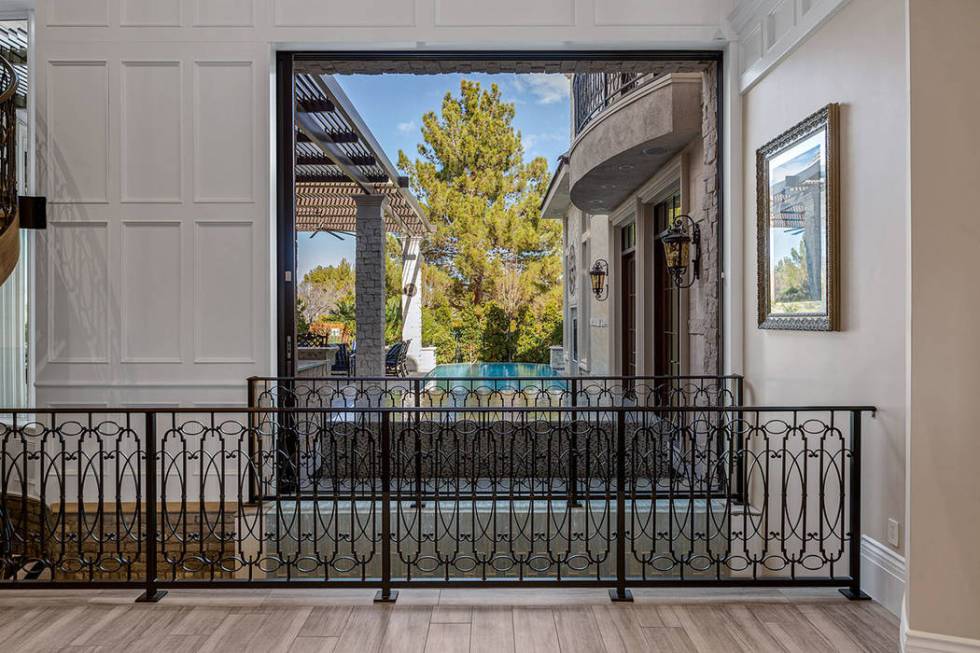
(627, 127)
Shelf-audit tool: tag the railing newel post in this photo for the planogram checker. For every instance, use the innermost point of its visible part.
(152, 593)
(573, 501)
(620, 593)
(385, 594)
(853, 591)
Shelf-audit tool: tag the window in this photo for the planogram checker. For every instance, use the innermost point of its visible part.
(628, 236)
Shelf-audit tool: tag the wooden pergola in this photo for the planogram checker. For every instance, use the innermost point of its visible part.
(338, 159)
(346, 185)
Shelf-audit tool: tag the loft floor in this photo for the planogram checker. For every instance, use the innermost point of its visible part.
(494, 621)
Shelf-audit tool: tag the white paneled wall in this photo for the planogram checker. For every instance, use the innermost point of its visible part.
(768, 30)
(154, 279)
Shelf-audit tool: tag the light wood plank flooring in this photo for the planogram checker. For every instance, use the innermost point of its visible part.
(431, 621)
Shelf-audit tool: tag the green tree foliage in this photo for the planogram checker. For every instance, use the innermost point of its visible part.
(327, 294)
(791, 281)
(492, 270)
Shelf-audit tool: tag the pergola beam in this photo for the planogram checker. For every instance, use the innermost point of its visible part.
(337, 155)
(319, 160)
(328, 137)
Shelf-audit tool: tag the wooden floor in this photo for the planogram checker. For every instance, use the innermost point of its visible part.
(489, 621)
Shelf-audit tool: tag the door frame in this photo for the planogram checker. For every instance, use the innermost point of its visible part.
(286, 60)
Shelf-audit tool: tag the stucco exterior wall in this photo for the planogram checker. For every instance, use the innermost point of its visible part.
(600, 324)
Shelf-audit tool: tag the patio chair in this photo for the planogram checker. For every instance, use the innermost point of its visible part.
(342, 362)
(403, 358)
(391, 359)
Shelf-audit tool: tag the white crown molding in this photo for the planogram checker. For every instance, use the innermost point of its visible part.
(883, 573)
(769, 30)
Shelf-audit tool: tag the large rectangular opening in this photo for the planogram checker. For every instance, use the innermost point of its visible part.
(329, 156)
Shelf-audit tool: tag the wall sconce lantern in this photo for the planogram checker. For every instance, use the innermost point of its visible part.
(677, 239)
(598, 274)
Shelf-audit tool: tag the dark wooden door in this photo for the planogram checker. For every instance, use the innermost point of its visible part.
(628, 266)
(666, 299)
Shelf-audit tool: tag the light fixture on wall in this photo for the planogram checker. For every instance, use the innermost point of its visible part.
(598, 274)
(678, 239)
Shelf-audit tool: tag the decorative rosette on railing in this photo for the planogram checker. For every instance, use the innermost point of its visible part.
(9, 242)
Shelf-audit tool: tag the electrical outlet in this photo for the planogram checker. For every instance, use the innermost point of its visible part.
(893, 532)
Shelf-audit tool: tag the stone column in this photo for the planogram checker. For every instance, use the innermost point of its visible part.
(369, 284)
(412, 301)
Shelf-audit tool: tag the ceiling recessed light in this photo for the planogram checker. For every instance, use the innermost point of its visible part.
(626, 166)
(655, 150)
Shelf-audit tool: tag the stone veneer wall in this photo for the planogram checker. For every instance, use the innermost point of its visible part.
(705, 293)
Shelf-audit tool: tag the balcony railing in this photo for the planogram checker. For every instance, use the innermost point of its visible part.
(399, 496)
(593, 92)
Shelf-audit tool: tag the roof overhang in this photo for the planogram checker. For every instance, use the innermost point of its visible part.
(557, 200)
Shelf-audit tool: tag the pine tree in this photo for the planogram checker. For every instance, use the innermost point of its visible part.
(492, 269)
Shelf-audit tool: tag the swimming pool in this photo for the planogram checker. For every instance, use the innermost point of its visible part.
(513, 376)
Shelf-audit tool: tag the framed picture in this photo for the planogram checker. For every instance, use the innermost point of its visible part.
(797, 177)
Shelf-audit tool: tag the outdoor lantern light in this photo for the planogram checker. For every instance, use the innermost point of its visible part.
(677, 240)
(598, 274)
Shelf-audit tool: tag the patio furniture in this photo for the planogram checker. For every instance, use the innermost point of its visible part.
(343, 362)
(391, 359)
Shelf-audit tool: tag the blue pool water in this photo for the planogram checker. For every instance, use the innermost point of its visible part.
(485, 375)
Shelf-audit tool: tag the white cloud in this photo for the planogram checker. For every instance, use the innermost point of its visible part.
(405, 127)
(530, 140)
(546, 89)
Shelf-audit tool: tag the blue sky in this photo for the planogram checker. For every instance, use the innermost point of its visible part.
(392, 106)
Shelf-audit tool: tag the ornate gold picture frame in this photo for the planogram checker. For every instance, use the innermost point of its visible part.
(798, 207)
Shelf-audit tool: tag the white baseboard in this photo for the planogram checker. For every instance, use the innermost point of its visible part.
(916, 641)
(882, 574)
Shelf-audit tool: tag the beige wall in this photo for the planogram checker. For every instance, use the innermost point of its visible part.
(858, 60)
(944, 447)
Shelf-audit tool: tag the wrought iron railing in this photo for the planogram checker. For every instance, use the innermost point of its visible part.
(541, 391)
(398, 497)
(593, 92)
(8, 144)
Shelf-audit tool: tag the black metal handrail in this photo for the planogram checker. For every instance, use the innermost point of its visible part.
(8, 144)
(434, 496)
(539, 391)
(593, 92)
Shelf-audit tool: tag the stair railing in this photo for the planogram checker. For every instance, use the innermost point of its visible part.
(9, 241)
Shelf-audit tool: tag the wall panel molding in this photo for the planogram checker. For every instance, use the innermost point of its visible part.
(77, 288)
(77, 13)
(150, 13)
(343, 13)
(769, 30)
(151, 127)
(656, 13)
(504, 13)
(150, 297)
(224, 292)
(77, 140)
(224, 13)
(224, 131)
